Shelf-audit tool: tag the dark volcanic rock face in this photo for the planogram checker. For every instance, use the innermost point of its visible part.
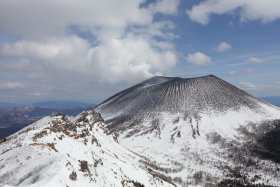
(253, 156)
(174, 95)
(263, 140)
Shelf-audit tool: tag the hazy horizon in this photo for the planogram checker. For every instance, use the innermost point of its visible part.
(273, 99)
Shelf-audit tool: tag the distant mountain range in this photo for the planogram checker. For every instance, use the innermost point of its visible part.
(275, 100)
(15, 118)
(49, 104)
(8, 104)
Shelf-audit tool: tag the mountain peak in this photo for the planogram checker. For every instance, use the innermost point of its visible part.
(202, 131)
(165, 78)
(199, 77)
(90, 116)
(189, 96)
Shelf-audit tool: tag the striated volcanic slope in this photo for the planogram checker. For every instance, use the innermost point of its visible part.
(190, 97)
(198, 131)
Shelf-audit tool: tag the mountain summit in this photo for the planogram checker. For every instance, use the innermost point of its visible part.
(201, 131)
(175, 94)
(190, 97)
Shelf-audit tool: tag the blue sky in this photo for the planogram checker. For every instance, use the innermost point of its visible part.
(88, 50)
(248, 40)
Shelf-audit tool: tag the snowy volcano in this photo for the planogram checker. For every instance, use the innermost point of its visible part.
(198, 131)
(189, 97)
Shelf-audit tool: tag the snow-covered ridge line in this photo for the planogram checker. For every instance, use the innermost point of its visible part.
(67, 151)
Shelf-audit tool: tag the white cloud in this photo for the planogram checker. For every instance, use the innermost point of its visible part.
(268, 89)
(65, 52)
(124, 49)
(165, 6)
(44, 49)
(129, 59)
(223, 46)
(256, 60)
(198, 58)
(232, 72)
(160, 29)
(248, 10)
(35, 18)
(35, 94)
(11, 86)
(247, 86)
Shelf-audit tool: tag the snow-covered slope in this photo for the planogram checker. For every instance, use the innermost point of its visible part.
(200, 131)
(71, 151)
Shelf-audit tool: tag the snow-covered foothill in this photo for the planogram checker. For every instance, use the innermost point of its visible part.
(70, 151)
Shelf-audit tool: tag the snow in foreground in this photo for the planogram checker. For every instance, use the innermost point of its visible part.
(61, 151)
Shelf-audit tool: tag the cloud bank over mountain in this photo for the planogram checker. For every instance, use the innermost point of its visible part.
(117, 49)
